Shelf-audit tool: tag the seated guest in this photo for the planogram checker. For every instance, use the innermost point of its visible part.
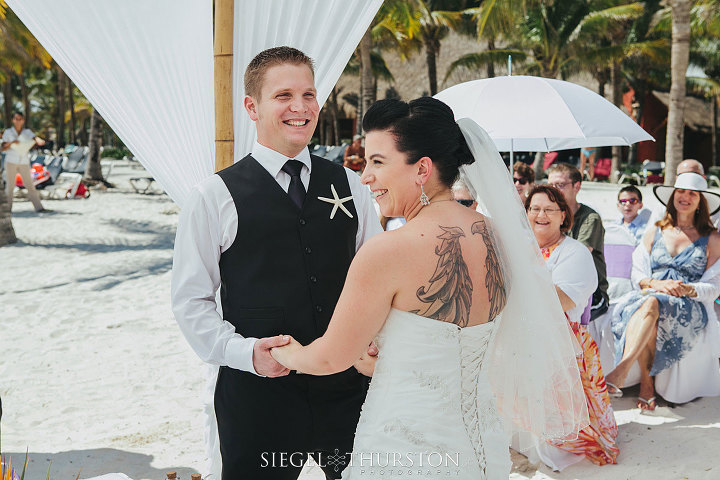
(523, 178)
(688, 165)
(587, 228)
(661, 324)
(573, 273)
(461, 194)
(354, 156)
(634, 216)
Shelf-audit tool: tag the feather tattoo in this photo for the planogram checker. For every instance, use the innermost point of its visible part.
(449, 293)
(493, 279)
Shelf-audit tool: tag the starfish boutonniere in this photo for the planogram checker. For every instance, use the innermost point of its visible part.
(337, 202)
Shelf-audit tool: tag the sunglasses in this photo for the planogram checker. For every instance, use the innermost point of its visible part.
(628, 201)
(521, 181)
(466, 203)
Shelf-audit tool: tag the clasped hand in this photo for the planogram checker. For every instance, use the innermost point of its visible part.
(675, 288)
(284, 353)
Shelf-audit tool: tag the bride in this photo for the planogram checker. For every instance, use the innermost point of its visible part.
(464, 312)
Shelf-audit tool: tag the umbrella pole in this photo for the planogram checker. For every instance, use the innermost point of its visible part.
(224, 135)
(512, 161)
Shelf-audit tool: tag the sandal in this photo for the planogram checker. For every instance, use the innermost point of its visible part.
(616, 393)
(646, 404)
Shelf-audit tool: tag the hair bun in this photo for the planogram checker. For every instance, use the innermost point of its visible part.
(462, 152)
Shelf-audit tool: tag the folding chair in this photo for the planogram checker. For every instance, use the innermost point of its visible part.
(619, 247)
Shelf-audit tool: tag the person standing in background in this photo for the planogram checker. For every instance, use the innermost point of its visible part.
(17, 162)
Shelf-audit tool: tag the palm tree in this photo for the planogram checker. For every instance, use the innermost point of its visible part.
(7, 232)
(676, 109)
(378, 70)
(93, 171)
(491, 22)
(19, 51)
(422, 24)
(705, 54)
(613, 37)
(18, 48)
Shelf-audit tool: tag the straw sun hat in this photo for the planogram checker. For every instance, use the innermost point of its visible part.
(689, 181)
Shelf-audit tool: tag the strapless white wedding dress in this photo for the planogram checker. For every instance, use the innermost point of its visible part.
(429, 410)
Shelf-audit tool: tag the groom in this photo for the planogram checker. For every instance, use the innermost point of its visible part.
(276, 232)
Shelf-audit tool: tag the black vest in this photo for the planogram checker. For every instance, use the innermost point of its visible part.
(286, 268)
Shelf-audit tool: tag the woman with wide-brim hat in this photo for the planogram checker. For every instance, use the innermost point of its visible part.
(660, 324)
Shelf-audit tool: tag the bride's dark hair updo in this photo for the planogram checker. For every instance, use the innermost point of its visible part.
(425, 127)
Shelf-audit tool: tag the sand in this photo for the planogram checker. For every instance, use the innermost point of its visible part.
(95, 376)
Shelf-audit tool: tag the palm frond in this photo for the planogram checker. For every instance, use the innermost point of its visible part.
(476, 61)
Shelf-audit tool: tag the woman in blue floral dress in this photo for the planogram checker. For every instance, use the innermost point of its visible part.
(660, 323)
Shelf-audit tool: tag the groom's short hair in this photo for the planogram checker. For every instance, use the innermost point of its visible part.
(255, 71)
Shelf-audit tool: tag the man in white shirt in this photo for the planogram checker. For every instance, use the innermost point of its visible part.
(276, 232)
(15, 141)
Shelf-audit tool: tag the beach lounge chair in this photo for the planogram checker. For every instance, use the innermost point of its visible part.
(335, 154)
(142, 185)
(77, 161)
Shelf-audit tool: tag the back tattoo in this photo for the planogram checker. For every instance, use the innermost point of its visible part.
(449, 293)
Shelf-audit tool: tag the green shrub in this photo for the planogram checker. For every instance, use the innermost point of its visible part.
(115, 153)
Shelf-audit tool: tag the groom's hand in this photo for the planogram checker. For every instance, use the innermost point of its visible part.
(263, 362)
(366, 363)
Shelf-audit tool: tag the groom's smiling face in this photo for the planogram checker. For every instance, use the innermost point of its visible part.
(286, 112)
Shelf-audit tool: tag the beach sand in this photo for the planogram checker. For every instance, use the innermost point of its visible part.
(95, 376)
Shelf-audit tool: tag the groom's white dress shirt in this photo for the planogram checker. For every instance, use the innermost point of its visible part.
(207, 227)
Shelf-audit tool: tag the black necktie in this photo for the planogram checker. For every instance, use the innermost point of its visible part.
(296, 189)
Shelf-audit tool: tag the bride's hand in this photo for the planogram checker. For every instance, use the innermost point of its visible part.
(366, 363)
(284, 355)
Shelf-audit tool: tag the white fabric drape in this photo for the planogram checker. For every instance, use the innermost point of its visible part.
(148, 69)
(326, 30)
(147, 66)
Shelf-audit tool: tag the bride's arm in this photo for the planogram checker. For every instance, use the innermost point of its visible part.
(364, 304)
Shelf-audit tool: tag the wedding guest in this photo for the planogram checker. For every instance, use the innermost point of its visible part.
(689, 165)
(19, 163)
(573, 274)
(658, 325)
(461, 194)
(523, 178)
(587, 228)
(354, 156)
(634, 216)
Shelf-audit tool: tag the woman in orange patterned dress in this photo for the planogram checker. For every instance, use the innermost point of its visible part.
(573, 273)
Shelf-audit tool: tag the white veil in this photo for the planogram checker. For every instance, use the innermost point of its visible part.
(532, 362)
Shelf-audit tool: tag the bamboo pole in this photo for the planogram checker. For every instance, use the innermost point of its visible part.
(224, 135)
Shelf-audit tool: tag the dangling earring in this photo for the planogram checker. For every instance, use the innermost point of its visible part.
(424, 200)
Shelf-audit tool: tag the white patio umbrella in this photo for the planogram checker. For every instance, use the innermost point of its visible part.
(534, 114)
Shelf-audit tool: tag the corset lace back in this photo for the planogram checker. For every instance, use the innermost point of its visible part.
(430, 398)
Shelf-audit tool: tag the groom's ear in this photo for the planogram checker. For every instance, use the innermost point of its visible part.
(251, 107)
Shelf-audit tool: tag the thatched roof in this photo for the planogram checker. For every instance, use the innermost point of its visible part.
(698, 112)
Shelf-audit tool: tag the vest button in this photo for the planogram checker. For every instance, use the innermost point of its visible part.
(313, 279)
(302, 221)
(318, 308)
(308, 250)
